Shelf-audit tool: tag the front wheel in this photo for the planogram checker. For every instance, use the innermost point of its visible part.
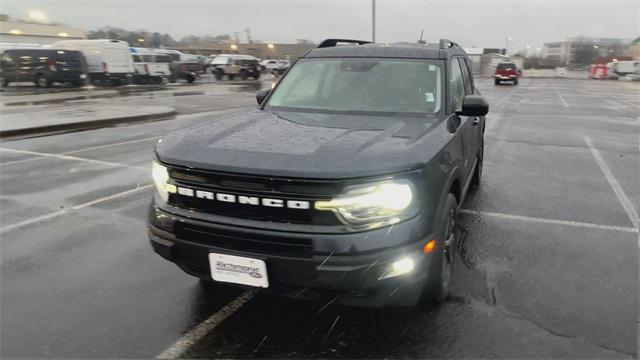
(439, 283)
(243, 75)
(41, 81)
(496, 82)
(515, 82)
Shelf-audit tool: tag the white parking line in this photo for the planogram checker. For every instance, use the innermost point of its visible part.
(55, 214)
(564, 103)
(201, 330)
(82, 150)
(615, 186)
(179, 117)
(551, 221)
(73, 158)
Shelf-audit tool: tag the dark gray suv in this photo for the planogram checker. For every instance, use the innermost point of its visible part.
(343, 184)
(43, 67)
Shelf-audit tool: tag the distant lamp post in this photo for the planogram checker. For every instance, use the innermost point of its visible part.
(233, 47)
(271, 46)
(141, 41)
(37, 15)
(506, 45)
(63, 34)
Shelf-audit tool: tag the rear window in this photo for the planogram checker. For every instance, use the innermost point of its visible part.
(67, 55)
(220, 60)
(506, 66)
(163, 59)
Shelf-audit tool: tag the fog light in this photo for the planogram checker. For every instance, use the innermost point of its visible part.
(399, 267)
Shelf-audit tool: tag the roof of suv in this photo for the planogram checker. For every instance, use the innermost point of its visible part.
(380, 50)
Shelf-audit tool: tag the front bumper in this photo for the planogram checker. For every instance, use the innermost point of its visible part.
(348, 277)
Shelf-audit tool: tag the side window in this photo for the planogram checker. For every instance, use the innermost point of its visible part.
(136, 58)
(456, 85)
(468, 88)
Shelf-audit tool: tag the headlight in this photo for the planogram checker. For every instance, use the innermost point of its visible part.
(374, 205)
(161, 180)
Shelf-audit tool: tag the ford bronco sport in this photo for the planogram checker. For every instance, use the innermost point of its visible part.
(344, 183)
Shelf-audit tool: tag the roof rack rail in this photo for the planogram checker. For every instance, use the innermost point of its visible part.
(446, 44)
(334, 42)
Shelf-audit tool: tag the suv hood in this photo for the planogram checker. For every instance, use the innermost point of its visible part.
(305, 145)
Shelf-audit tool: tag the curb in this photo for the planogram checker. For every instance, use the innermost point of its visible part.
(124, 92)
(85, 125)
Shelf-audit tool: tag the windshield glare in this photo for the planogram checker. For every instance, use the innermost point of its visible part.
(361, 85)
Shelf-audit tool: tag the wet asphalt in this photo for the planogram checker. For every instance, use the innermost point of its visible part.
(548, 265)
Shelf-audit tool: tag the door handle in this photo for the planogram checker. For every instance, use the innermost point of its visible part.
(476, 120)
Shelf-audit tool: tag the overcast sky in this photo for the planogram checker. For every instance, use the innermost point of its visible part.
(482, 23)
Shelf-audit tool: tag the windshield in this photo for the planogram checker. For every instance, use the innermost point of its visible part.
(361, 85)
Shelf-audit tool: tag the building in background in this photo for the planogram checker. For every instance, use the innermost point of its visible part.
(259, 50)
(17, 34)
(574, 52)
(475, 56)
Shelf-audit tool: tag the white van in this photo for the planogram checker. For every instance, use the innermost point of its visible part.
(627, 67)
(150, 66)
(107, 60)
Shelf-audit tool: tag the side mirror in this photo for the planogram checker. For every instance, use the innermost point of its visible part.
(474, 105)
(261, 95)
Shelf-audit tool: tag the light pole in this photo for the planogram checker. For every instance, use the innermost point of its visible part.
(373, 20)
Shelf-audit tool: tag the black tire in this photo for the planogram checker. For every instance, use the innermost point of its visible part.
(244, 75)
(231, 76)
(77, 84)
(515, 82)
(438, 284)
(157, 80)
(257, 75)
(5, 83)
(42, 81)
(217, 74)
(496, 82)
(477, 172)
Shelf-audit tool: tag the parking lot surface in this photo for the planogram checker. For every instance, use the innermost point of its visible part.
(549, 261)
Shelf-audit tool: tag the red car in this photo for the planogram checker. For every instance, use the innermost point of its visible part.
(506, 72)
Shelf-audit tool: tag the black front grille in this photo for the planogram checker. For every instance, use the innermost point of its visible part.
(245, 242)
(256, 187)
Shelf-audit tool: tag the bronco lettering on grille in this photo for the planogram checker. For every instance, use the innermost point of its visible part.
(243, 199)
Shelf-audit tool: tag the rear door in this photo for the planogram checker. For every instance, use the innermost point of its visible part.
(25, 62)
(163, 62)
(117, 58)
